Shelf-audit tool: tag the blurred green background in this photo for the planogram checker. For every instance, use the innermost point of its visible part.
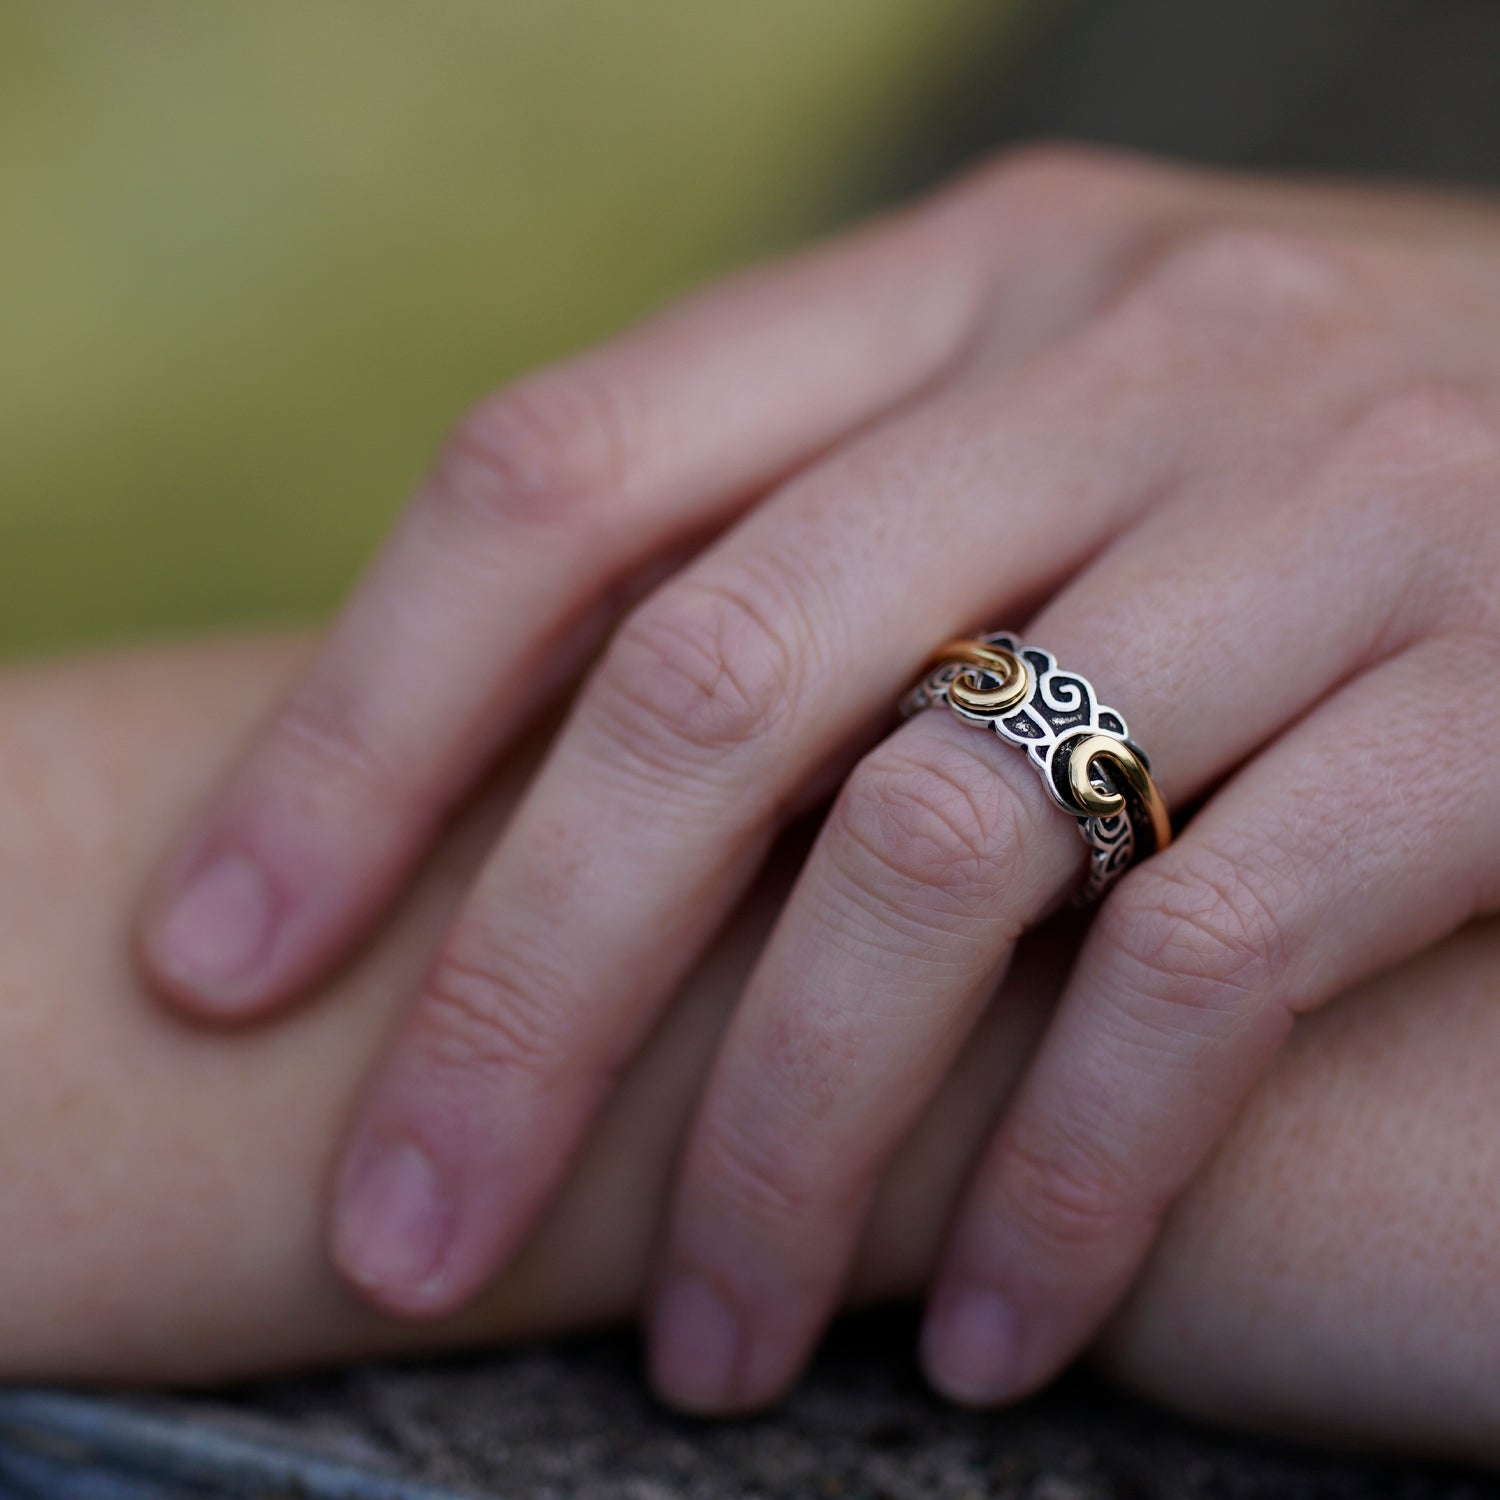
(255, 258)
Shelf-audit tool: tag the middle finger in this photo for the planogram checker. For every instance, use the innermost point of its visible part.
(723, 695)
(715, 703)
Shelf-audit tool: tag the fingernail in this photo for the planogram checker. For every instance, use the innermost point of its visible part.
(219, 924)
(392, 1223)
(696, 1345)
(968, 1345)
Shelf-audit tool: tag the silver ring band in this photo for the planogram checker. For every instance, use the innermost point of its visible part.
(1082, 750)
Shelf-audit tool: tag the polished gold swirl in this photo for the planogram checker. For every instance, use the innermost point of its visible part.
(965, 690)
(1128, 766)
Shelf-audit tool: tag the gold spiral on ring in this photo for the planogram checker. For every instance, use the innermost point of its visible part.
(965, 691)
(1015, 683)
(1125, 764)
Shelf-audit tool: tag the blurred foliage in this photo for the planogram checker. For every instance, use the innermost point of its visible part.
(255, 258)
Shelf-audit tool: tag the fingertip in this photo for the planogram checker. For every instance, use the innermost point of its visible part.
(393, 1227)
(696, 1342)
(969, 1344)
(432, 1196)
(715, 1349)
(209, 934)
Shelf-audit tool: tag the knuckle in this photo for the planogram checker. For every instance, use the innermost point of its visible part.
(943, 823)
(1061, 1196)
(1196, 934)
(542, 451)
(1471, 639)
(700, 668)
(1238, 279)
(1057, 174)
(760, 1177)
(1425, 426)
(477, 1014)
(1418, 463)
(321, 734)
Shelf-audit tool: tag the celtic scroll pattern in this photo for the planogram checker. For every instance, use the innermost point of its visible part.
(1058, 713)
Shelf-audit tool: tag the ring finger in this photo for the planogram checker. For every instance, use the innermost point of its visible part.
(940, 850)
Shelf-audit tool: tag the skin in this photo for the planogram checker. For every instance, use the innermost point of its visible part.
(1329, 1272)
(1230, 448)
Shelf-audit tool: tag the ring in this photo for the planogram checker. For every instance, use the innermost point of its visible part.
(1083, 752)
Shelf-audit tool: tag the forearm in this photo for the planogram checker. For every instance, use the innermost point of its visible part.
(162, 1185)
(162, 1182)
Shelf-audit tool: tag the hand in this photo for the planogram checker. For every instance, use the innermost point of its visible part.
(1239, 441)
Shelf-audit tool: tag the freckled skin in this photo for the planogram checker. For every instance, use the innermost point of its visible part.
(1331, 1271)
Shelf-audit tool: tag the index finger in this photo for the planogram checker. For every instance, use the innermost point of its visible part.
(498, 580)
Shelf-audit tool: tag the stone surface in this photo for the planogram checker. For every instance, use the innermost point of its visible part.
(574, 1422)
